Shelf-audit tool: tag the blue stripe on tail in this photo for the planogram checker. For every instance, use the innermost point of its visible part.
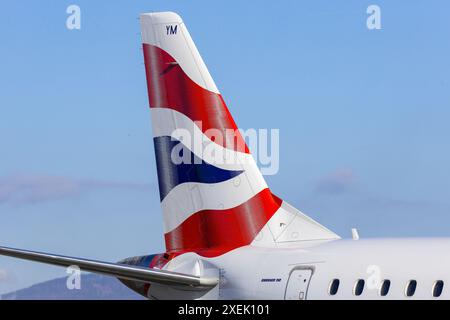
(170, 174)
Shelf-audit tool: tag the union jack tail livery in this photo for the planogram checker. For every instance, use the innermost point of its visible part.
(213, 196)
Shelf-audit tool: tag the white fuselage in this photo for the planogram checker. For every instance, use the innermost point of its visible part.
(306, 270)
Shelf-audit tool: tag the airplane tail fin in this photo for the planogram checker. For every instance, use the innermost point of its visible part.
(213, 196)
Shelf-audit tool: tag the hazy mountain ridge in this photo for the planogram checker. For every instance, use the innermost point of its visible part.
(93, 287)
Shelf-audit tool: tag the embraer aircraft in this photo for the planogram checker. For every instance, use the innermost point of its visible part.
(227, 235)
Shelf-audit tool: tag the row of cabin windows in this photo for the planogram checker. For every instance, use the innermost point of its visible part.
(385, 286)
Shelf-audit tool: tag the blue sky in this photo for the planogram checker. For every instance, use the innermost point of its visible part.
(363, 118)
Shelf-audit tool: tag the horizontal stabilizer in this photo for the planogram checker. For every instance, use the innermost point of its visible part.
(122, 271)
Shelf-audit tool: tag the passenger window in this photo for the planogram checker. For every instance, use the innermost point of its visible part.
(437, 288)
(411, 288)
(359, 287)
(385, 288)
(334, 287)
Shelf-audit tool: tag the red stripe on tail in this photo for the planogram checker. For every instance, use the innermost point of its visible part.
(214, 232)
(170, 87)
